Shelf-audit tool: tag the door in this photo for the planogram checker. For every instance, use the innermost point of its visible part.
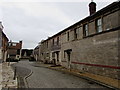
(69, 61)
(57, 53)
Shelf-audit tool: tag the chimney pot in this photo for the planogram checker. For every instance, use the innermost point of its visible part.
(92, 7)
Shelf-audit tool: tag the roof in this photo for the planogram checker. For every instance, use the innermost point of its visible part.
(102, 11)
(37, 47)
(1, 26)
(5, 36)
(17, 46)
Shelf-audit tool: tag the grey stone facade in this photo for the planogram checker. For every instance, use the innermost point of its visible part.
(90, 45)
(50, 50)
(0, 41)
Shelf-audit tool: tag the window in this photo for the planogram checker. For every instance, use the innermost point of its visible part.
(64, 54)
(53, 41)
(47, 44)
(53, 54)
(10, 44)
(47, 54)
(57, 40)
(99, 25)
(14, 44)
(68, 36)
(75, 34)
(18, 51)
(86, 33)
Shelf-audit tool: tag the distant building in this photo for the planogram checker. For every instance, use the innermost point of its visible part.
(36, 53)
(3, 44)
(50, 50)
(90, 45)
(14, 50)
(26, 53)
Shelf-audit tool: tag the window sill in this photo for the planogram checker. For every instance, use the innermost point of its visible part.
(98, 33)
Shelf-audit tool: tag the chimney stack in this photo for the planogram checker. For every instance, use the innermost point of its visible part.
(92, 7)
(20, 41)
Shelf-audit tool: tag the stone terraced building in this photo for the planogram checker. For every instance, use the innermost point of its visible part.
(90, 45)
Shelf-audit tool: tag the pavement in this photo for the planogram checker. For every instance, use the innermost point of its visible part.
(42, 77)
(7, 76)
(102, 80)
(7, 79)
(21, 72)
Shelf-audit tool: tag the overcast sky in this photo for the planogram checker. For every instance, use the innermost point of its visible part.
(34, 20)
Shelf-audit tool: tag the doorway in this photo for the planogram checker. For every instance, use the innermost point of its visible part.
(68, 51)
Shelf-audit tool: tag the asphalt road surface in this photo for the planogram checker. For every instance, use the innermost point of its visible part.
(47, 78)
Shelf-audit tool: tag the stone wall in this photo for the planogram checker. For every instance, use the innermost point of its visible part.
(0, 44)
(97, 53)
(97, 50)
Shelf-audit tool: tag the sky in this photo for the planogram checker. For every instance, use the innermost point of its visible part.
(34, 20)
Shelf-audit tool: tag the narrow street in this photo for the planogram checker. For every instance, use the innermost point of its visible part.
(46, 78)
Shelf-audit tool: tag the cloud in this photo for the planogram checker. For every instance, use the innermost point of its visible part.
(41, 10)
(57, 0)
(32, 22)
(35, 20)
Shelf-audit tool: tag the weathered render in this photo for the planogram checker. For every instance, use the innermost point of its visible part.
(90, 45)
(3, 44)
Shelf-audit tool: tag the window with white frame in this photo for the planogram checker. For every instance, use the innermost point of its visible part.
(86, 32)
(14, 44)
(99, 25)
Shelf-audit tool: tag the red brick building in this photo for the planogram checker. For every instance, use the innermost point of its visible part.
(14, 50)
